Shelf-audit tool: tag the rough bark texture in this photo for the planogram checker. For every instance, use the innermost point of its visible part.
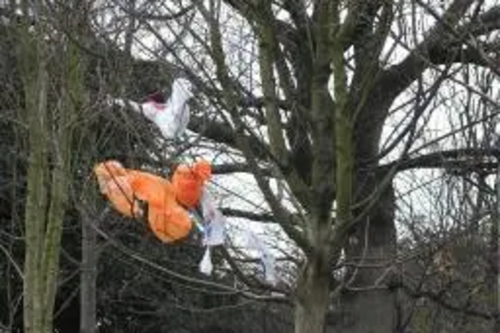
(313, 297)
(49, 119)
(35, 81)
(368, 302)
(88, 278)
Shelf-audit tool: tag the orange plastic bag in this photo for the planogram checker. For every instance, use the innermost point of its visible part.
(188, 182)
(114, 183)
(166, 218)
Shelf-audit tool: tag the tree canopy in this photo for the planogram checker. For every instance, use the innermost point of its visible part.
(358, 137)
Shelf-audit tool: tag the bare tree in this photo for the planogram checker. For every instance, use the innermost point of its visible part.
(50, 119)
(332, 100)
(325, 141)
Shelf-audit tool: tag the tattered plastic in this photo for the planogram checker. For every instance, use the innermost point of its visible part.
(263, 252)
(214, 230)
(206, 266)
(166, 218)
(214, 222)
(167, 202)
(189, 182)
(171, 117)
(114, 183)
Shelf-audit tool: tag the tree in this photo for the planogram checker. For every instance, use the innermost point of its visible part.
(451, 244)
(50, 119)
(326, 143)
(331, 100)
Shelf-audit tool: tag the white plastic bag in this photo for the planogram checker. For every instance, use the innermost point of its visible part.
(174, 118)
(214, 222)
(267, 258)
(206, 266)
(171, 117)
(214, 229)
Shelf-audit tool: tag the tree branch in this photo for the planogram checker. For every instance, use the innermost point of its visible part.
(223, 133)
(439, 46)
(145, 15)
(437, 298)
(261, 217)
(471, 159)
(231, 98)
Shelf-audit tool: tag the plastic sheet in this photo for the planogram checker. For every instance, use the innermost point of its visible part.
(166, 218)
(171, 117)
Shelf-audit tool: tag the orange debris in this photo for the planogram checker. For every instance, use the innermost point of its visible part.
(166, 218)
(189, 181)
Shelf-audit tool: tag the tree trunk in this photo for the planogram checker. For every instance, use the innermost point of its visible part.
(369, 304)
(313, 284)
(88, 278)
(35, 77)
(49, 168)
(312, 299)
(493, 276)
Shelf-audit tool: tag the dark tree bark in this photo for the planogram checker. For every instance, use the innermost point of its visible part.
(88, 277)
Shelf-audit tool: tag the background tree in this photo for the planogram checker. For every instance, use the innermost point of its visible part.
(329, 106)
(53, 100)
(328, 149)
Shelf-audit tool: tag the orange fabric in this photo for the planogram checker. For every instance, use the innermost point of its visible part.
(166, 218)
(188, 182)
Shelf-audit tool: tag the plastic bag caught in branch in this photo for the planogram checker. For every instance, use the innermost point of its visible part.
(189, 182)
(214, 222)
(171, 117)
(206, 266)
(214, 230)
(166, 218)
(263, 252)
(114, 183)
